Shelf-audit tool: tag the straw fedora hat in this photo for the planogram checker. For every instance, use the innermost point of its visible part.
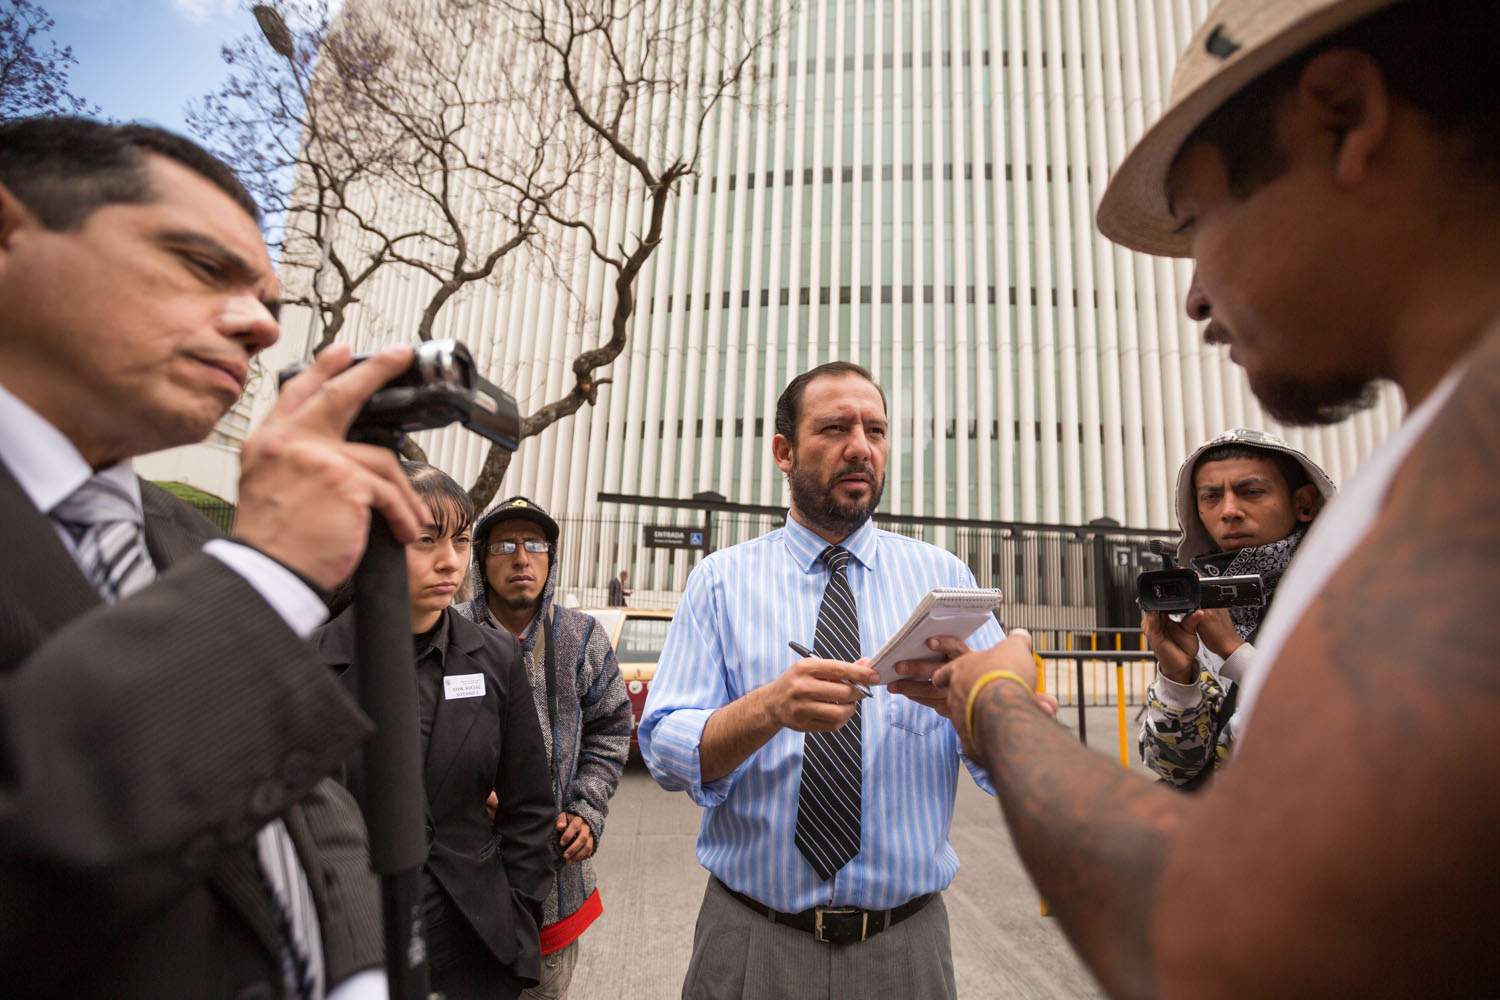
(1240, 40)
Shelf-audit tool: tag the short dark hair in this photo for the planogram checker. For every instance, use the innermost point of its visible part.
(63, 169)
(789, 406)
(1292, 472)
(1437, 56)
(452, 507)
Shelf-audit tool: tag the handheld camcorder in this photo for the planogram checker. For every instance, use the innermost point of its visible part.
(1177, 590)
(442, 386)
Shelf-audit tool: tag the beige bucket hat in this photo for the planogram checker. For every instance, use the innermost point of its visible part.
(1240, 40)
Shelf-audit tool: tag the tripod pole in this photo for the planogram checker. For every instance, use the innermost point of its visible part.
(394, 797)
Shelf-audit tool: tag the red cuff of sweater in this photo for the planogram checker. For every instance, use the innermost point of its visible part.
(557, 936)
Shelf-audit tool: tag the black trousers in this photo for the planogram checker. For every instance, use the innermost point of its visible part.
(459, 964)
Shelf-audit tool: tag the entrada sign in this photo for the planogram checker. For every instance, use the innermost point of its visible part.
(672, 537)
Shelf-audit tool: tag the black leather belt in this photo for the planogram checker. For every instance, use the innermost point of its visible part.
(836, 924)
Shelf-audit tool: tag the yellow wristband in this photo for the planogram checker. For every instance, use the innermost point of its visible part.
(979, 685)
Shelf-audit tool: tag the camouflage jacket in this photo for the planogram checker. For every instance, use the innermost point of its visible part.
(1189, 730)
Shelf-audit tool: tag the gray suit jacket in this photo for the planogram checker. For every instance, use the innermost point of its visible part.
(142, 744)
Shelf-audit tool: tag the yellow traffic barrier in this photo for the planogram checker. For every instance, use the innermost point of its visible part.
(1120, 703)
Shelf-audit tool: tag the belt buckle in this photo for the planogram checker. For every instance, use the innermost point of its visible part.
(841, 931)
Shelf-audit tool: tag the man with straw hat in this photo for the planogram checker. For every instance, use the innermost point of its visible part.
(1333, 169)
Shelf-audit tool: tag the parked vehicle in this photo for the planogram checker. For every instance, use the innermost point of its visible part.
(637, 635)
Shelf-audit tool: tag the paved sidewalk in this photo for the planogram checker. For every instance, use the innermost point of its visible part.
(652, 884)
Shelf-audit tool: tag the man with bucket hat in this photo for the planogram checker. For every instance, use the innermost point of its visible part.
(1244, 502)
(1333, 169)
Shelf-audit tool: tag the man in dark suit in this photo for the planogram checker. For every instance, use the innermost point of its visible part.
(165, 829)
(617, 591)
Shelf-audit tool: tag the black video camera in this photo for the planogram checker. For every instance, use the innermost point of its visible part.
(1176, 590)
(442, 386)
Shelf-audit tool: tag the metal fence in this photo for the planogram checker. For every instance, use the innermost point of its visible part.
(1097, 668)
(221, 513)
(1071, 587)
(1051, 578)
(1077, 678)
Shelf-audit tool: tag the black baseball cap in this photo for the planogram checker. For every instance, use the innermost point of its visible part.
(517, 508)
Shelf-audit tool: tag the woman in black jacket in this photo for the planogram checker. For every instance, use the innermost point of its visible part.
(485, 879)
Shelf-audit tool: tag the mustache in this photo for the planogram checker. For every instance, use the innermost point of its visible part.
(849, 470)
(1216, 333)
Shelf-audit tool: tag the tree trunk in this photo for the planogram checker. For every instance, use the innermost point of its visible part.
(491, 474)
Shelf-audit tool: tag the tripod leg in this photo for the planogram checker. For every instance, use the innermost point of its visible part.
(394, 796)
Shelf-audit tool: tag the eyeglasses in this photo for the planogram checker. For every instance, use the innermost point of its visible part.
(507, 547)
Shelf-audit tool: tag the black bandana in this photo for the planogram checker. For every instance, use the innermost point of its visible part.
(1269, 561)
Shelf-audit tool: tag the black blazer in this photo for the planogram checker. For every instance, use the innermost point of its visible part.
(498, 875)
(142, 744)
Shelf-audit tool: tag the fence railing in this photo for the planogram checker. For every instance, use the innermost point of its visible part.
(1062, 648)
(1055, 581)
(221, 513)
(1099, 667)
(1051, 578)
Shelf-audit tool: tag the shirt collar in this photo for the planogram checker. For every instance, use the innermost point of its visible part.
(44, 462)
(807, 547)
(440, 636)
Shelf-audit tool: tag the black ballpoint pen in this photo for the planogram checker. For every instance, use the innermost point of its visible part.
(802, 650)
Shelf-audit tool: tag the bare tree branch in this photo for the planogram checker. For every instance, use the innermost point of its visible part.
(643, 47)
(361, 118)
(390, 103)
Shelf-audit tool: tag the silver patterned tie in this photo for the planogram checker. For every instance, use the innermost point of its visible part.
(109, 534)
(828, 800)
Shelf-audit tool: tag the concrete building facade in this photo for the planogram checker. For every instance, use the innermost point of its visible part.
(919, 199)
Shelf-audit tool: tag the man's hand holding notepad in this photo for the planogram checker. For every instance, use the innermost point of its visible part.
(951, 611)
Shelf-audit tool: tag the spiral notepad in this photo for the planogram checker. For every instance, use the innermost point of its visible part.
(955, 611)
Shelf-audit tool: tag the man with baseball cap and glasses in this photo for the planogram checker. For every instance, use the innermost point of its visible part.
(1333, 169)
(581, 704)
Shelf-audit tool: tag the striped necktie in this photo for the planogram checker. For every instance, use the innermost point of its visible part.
(109, 536)
(828, 801)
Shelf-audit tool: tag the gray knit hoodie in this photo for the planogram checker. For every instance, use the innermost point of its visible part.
(589, 741)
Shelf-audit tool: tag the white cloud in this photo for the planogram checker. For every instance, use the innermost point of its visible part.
(201, 11)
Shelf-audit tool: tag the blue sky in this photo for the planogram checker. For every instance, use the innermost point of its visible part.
(145, 59)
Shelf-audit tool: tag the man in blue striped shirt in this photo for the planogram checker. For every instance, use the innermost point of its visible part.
(731, 706)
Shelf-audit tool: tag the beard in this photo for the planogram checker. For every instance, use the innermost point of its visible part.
(816, 502)
(1303, 402)
(523, 603)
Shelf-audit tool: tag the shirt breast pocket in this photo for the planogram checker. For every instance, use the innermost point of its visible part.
(912, 717)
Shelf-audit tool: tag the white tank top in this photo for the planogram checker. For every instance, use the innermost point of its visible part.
(1339, 529)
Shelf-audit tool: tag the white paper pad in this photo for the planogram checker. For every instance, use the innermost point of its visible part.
(945, 611)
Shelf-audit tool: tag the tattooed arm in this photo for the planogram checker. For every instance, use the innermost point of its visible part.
(1349, 847)
(1092, 835)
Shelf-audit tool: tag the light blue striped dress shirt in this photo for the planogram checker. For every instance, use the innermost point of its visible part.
(741, 606)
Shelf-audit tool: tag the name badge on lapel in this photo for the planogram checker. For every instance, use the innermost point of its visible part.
(463, 686)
